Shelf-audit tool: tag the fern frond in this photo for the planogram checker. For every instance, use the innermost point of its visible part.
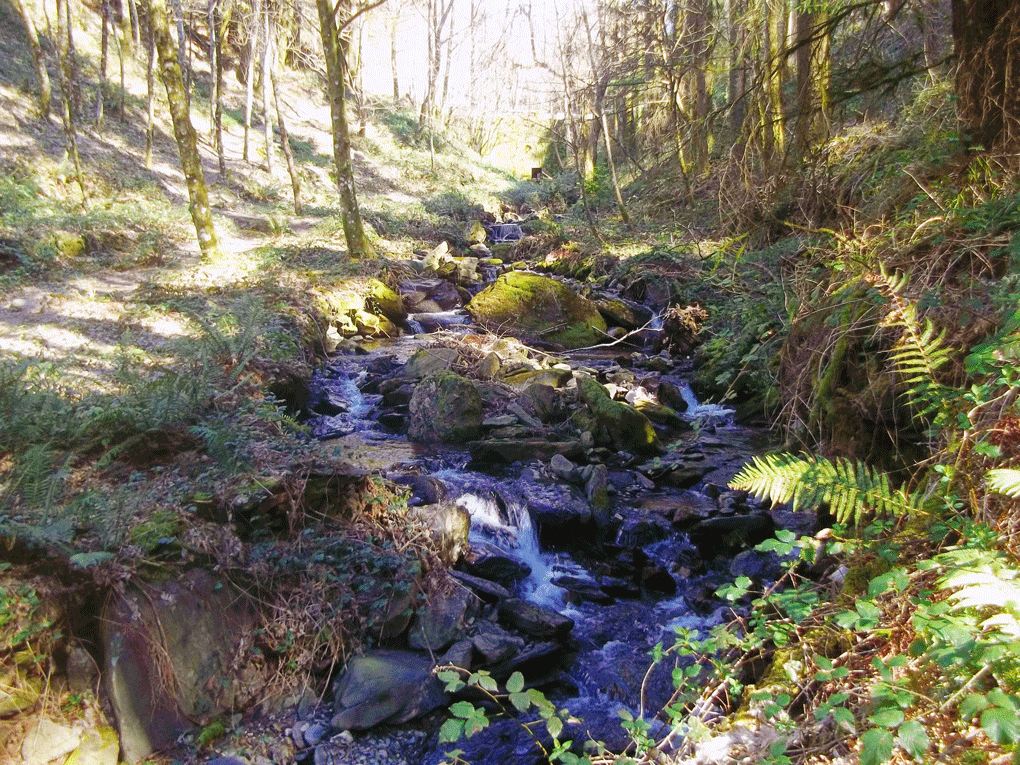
(852, 491)
(1004, 481)
(920, 351)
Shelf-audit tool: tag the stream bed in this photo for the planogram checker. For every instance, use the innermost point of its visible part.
(627, 580)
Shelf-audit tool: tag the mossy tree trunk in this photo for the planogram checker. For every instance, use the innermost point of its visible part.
(333, 27)
(38, 57)
(184, 131)
(986, 36)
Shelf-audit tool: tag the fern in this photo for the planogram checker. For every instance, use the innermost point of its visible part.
(851, 490)
(1004, 481)
(919, 353)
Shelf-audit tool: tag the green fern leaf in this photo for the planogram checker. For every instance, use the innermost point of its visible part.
(1004, 481)
(852, 491)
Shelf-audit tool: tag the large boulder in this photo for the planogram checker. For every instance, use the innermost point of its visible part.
(169, 652)
(385, 687)
(619, 425)
(538, 307)
(445, 408)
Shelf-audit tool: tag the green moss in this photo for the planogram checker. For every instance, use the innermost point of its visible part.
(159, 525)
(627, 429)
(538, 306)
(859, 577)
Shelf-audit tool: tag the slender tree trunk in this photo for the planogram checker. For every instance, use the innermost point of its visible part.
(104, 54)
(267, 86)
(624, 215)
(288, 153)
(122, 42)
(66, 83)
(184, 131)
(38, 58)
(150, 92)
(394, 20)
(249, 80)
(335, 51)
(216, 30)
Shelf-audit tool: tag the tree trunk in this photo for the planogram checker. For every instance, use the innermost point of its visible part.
(150, 92)
(335, 51)
(986, 36)
(267, 115)
(184, 131)
(104, 56)
(65, 80)
(38, 58)
(249, 80)
(394, 20)
(624, 215)
(288, 154)
(217, 27)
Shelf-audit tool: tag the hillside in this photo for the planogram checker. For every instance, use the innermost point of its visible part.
(159, 441)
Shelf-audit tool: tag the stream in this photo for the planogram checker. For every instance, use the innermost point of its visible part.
(627, 578)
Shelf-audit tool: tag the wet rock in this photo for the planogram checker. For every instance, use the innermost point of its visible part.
(670, 395)
(442, 619)
(489, 562)
(583, 590)
(533, 619)
(730, 534)
(623, 313)
(757, 566)
(641, 532)
(429, 295)
(493, 643)
(508, 450)
(487, 591)
(538, 307)
(620, 425)
(445, 408)
(663, 415)
(561, 513)
(384, 687)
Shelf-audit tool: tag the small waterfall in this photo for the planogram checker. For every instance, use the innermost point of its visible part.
(714, 413)
(512, 530)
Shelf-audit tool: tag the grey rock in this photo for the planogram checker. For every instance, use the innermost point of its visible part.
(385, 687)
(533, 619)
(48, 741)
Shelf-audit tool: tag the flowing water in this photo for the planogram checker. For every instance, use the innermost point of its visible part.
(609, 651)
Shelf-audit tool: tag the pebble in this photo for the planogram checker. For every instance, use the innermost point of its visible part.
(18, 304)
(397, 748)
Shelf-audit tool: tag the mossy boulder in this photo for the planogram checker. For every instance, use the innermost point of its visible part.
(538, 307)
(386, 302)
(445, 408)
(619, 425)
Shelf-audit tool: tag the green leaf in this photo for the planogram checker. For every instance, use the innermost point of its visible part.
(887, 717)
(1000, 725)
(474, 724)
(464, 709)
(520, 701)
(974, 704)
(452, 730)
(515, 684)
(876, 746)
(555, 726)
(912, 739)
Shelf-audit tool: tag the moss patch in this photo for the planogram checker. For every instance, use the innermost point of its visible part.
(537, 306)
